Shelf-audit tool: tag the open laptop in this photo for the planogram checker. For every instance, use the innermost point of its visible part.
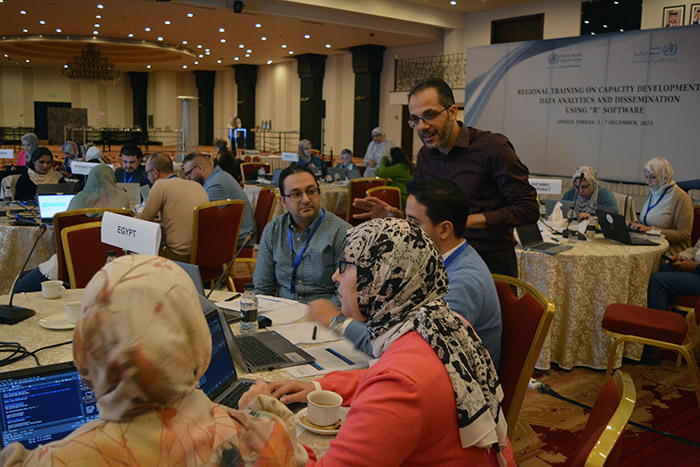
(133, 192)
(52, 204)
(56, 188)
(531, 239)
(43, 404)
(262, 351)
(274, 179)
(614, 228)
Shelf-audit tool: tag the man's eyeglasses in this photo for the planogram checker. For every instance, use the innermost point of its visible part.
(428, 117)
(187, 173)
(343, 265)
(296, 195)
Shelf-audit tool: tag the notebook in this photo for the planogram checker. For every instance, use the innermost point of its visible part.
(614, 228)
(531, 239)
(262, 351)
(43, 404)
(52, 204)
(133, 192)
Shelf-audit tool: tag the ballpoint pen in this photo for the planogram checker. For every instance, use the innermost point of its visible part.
(233, 297)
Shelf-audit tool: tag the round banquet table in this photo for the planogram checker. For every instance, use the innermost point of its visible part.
(16, 241)
(581, 283)
(334, 198)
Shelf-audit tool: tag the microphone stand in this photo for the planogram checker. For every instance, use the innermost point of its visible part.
(566, 233)
(247, 240)
(10, 314)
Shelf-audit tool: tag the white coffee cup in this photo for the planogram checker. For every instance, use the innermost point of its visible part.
(324, 407)
(72, 312)
(52, 289)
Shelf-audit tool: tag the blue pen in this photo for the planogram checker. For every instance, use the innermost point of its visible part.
(316, 365)
(340, 356)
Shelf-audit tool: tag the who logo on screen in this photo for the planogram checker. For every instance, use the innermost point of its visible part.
(670, 49)
(553, 58)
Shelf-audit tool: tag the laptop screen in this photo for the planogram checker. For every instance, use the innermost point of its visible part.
(221, 372)
(43, 404)
(529, 234)
(52, 204)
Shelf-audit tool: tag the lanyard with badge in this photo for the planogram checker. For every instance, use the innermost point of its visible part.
(652, 206)
(456, 253)
(297, 261)
(132, 177)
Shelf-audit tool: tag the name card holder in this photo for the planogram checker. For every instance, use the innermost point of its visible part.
(131, 234)
(290, 156)
(84, 168)
(7, 154)
(546, 186)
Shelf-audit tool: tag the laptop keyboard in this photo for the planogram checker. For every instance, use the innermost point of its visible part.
(546, 246)
(231, 399)
(255, 353)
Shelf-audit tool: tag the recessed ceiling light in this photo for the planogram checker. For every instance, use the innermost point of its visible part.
(184, 66)
(167, 21)
(97, 25)
(592, 34)
(96, 32)
(22, 12)
(218, 61)
(207, 52)
(247, 55)
(6, 55)
(284, 46)
(222, 30)
(100, 6)
(184, 42)
(453, 2)
(147, 29)
(148, 66)
(27, 60)
(160, 38)
(306, 36)
(249, 51)
(98, 16)
(617, 3)
(622, 30)
(64, 66)
(258, 25)
(328, 46)
(42, 22)
(199, 46)
(58, 30)
(235, 58)
(291, 52)
(586, 22)
(200, 56)
(25, 30)
(269, 62)
(196, 62)
(605, 25)
(130, 35)
(223, 40)
(190, 15)
(240, 46)
(263, 38)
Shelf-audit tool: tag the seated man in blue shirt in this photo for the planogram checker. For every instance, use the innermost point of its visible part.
(440, 207)
(220, 185)
(299, 250)
(131, 170)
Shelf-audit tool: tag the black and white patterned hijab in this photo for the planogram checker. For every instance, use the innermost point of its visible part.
(401, 285)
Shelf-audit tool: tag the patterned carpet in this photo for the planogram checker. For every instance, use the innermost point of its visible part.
(548, 428)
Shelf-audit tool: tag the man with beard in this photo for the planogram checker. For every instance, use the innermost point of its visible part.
(483, 164)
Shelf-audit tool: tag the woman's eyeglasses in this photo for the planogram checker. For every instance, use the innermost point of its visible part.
(343, 265)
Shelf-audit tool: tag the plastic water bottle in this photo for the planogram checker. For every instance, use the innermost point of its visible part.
(111, 256)
(249, 310)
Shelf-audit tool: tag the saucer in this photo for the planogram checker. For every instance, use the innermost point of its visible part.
(301, 418)
(57, 322)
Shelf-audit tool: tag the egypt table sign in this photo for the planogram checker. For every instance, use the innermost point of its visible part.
(131, 234)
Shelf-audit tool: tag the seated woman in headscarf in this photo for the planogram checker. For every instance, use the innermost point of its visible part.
(101, 191)
(376, 149)
(71, 151)
(590, 195)
(141, 344)
(433, 397)
(668, 208)
(39, 172)
(307, 158)
(29, 144)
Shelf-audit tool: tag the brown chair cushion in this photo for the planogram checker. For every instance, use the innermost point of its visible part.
(638, 321)
(687, 301)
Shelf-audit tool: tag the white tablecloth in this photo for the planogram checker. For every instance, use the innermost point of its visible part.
(15, 243)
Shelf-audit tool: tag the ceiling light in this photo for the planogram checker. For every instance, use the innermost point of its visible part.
(263, 38)
(6, 54)
(95, 32)
(622, 30)
(42, 22)
(91, 67)
(218, 61)
(592, 34)
(249, 51)
(184, 66)
(206, 52)
(130, 35)
(453, 2)
(98, 16)
(22, 12)
(586, 22)
(240, 46)
(222, 30)
(199, 46)
(27, 60)
(58, 30)
(235, 58)
(147, 29)
(269, 62)
(97, 25)
(247, 55)
(200, 56)
(160, 38)
(605, 25)
(291, 52)
(25, 30)
(190, 15)
(223, 41)
(328, 46)
(617, 3)
(64, 66)
(167, 21)
(258, 25)
(306, 36)
(196, 62)
(284, 46)
(100, 6)
(148, 66)
(184, 42)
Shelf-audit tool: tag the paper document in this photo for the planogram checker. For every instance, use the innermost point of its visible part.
(279, 310)
(303, 333)
(340, 355)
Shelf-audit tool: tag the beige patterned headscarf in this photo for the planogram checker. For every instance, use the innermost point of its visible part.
(661, 169)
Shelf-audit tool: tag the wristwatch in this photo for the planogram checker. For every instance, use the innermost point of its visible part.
(337, 323)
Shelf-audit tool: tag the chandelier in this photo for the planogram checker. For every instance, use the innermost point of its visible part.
(91, 67)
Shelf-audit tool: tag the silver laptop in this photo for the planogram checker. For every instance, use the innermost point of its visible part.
(52, 204)
(531, 239)
(133, 192)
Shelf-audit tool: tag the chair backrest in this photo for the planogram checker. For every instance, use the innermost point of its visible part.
(362, 169)
(65, 219)
(240, 274)
(388, 194)
(526, 320)
(84, 252)
(601, 442)
(695, 232)
(8, 184)
(256, 159)
(626, 206)
(215, 234)
(267, 200)
(357, 188)
(248, 168)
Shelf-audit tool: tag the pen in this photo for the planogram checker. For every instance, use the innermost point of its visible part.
(233, 297)
(340, 356)
(313, 336)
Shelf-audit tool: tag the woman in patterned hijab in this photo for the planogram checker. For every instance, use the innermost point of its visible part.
(590, 194)
(100, 191)
(142, 344)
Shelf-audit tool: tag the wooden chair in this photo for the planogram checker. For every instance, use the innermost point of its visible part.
(248, 168)
(84, 252)
(601, 440)
(65, 219)
(526, 321)
(215, 234)
(659, 328)
(357, 188)
(240, 274)
(264, 209)
(388, 194)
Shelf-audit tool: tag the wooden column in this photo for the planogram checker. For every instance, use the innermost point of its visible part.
(246, 79)
(367, 61)
(311, 69)
(205, 85)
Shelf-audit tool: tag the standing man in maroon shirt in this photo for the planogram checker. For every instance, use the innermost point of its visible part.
(483, 164)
